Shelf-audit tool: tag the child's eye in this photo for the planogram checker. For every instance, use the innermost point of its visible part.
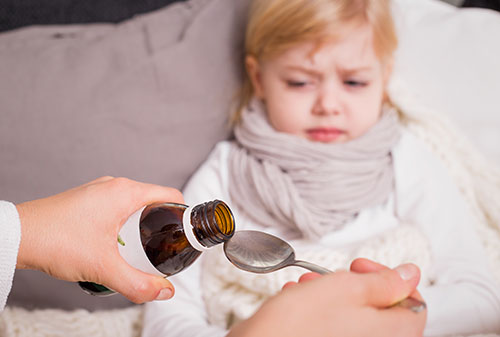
(355, 83)
(297, 84)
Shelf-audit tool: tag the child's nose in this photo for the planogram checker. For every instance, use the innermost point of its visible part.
(328, 102)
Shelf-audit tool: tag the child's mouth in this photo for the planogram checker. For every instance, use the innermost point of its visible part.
(325, 135)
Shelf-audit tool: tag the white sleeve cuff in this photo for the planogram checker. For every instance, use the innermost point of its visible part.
(10, 237)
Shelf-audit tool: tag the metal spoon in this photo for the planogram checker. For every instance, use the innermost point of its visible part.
(259, 252)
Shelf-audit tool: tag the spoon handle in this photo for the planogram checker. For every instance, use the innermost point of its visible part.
(312, 267)
(408, 303)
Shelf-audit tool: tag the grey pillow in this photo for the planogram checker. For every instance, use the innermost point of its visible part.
(146, 99)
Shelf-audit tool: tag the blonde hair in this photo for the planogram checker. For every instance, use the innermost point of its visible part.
(277, 25)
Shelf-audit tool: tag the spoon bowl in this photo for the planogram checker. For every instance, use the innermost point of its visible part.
(259, 252)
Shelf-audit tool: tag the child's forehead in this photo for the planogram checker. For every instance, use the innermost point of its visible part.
(347, 50)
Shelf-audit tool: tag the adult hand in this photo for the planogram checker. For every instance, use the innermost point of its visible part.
(362, 265)
(73, 235)
(356, 303)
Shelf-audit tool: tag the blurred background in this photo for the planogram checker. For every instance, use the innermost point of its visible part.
(18, 13)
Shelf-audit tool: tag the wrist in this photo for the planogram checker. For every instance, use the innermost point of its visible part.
(25, 258)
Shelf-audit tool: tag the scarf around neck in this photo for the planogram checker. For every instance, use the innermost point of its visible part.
(310, 187)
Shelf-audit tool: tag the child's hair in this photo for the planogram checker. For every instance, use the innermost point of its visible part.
(277, 25)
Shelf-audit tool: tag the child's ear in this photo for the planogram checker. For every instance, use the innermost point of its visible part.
(253, 71)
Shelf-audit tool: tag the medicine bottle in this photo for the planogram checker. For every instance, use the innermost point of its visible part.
(164, 239)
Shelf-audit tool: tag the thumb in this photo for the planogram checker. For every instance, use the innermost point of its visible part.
(362, 265)
(137, 286)
(385, 287)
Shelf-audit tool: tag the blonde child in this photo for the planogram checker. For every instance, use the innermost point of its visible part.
(321, 160)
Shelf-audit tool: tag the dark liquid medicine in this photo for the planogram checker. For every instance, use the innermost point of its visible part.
(164, 240)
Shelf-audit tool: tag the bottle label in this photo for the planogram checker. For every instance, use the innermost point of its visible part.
(188, 231)
(130, 247)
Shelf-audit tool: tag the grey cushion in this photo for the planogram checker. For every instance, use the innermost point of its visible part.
(146, 99)
(15, 13)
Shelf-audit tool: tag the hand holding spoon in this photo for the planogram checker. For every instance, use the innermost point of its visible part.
(259, 252)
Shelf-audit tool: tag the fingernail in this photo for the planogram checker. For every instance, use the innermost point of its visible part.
(406, 271)
(165, 294)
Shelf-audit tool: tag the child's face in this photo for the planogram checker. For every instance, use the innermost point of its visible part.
(329, 94)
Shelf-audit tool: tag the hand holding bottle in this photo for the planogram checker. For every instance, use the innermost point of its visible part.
(72, 235)
(164, 239)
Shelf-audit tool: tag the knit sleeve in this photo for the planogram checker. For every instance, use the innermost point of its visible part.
(185, 315)
(10, 236)
(464, 297)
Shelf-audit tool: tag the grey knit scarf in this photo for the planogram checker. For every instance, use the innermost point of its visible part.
(311, 187)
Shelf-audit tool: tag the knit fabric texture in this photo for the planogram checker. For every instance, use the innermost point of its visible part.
(310, 188)
(20, 322)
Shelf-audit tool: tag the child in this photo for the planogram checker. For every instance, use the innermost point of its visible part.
(321, 160)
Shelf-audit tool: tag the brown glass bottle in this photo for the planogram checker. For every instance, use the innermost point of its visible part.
(168, 246)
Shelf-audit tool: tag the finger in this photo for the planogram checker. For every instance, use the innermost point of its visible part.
(308, 277)
(362, 265)
(416, 295)
(289, 285)
(141, 194)
(102, 179)
(303, 278)
(386, 287)
(401, 322)
(150, 193)
(137, 286)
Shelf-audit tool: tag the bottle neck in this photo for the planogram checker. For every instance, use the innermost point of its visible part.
(213, 223)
